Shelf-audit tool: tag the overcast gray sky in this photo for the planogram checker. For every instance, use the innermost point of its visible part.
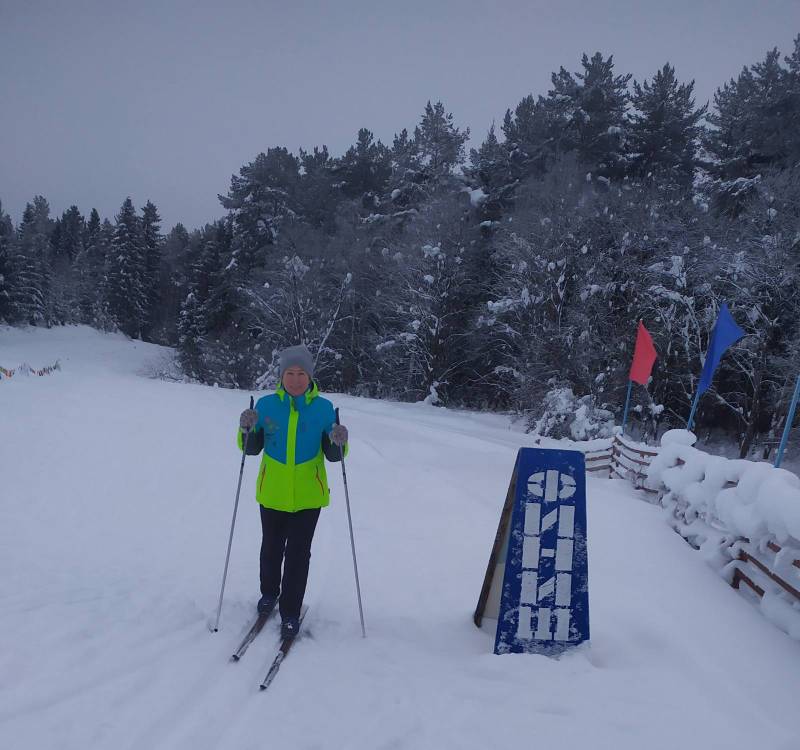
(165, 100)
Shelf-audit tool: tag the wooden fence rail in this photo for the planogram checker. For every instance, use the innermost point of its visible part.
(755, 570)
(622, 459)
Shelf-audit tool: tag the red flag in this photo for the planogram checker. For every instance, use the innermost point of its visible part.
(644, 356)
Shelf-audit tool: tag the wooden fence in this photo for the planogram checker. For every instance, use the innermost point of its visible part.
(758, 570)
(623, 459)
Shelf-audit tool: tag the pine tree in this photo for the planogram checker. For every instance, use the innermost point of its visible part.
(261, 199)
(592, 105)
(439, 143)
(365, 168)
(755, 117)
(90, 273)
(489, 163)
(534, 134)
(70, 238)
(66, 242)
(210, 344)
(6, 280)
(30, 296)
(404, 155)
(422, 348)
(407, 175)
(491, 170)
(665, 130)
(318, 197)
(174, 282)
(793, 105)
(214, 283)
(191, 331)
(126, 289)
(153, 240)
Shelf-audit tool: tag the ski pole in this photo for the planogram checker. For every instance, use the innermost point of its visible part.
(233, 523)
(352, 538)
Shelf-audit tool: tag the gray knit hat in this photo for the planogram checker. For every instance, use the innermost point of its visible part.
(298, 356)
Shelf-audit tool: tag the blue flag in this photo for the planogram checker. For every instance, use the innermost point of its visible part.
(725, 334)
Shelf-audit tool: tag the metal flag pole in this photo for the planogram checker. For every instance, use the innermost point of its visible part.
(690, 422)
(627, 403)
(788, 426)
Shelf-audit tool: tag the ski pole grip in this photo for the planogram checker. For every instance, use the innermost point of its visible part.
(337, 415)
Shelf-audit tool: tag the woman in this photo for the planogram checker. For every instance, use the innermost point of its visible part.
(296, 429)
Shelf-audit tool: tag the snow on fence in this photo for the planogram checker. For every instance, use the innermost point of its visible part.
(744, 516)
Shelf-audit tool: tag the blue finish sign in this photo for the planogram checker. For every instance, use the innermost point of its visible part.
(544, 603)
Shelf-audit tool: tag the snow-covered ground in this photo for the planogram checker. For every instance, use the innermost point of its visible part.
(117, 492)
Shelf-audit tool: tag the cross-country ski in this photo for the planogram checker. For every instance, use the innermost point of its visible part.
(283, 652)
(257, 626)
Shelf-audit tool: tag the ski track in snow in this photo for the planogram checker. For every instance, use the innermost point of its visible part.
(117, 493)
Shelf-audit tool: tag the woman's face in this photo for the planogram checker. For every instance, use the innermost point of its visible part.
(296, 381)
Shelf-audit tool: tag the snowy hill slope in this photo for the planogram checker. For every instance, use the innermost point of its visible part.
(117, 492)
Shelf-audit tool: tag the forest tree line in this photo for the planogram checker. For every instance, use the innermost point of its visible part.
(510, 276)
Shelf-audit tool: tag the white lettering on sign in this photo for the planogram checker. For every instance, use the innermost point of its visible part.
(524, 625)
(549, 520)
(562, 626)
(532, 513)
(530, 553)
(551, 486)
(546, 589)
(564, 554)
(530, 581)
(547, 487)
(563, 590)
(543, 632)
(566, 524)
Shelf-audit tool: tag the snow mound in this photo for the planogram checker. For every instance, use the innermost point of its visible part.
(678, 437)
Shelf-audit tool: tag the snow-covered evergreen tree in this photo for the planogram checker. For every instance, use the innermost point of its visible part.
(422, 345)
(126, 273)
(365, 168)
(66, 242)
(593, 105)
(754, 127)
(89, 273)
(6, 279)
(318, 194)
(439, 143)
(30, 264)
(262, 197)
(533, 132)
(665, 130)
(152, 240)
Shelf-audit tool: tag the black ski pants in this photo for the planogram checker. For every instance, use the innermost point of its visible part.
(286, 538)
